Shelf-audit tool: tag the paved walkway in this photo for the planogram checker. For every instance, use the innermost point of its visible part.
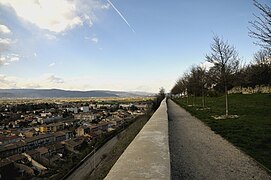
(196, 152)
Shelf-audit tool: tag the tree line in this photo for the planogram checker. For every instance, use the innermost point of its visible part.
(227, 70)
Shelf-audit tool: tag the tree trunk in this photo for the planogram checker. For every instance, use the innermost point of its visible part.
(194, 100)
(226, 102)
(203, 98)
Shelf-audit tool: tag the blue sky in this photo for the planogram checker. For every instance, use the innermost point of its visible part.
(87, 45)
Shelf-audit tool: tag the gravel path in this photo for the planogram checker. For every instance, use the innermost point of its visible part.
(196, 152)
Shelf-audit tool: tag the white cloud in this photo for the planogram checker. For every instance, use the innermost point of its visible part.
(54, 79)
(56, 16)
(87, 38)
(105, 6)
(7, 82)
(5, 44)
(7, 59)
(206, 65)
(95, 40)
(4, 29)
(52, 64)
(5, 41)
(50, 36)
(45, 81)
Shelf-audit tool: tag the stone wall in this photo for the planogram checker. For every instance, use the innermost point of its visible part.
(147, 157)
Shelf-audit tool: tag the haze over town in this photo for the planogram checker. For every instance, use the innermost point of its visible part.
(133, 45)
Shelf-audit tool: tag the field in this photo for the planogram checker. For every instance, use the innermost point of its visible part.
(251, 131)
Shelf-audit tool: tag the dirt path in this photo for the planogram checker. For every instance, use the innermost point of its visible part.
(198, 153)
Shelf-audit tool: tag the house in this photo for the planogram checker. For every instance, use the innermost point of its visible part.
(18, 158)
(117, 122)
(84, 109)
(69, 134)
(38, 141)
(47, 114)
(93, 106)
(4, 140)
(124, 106)
(34, 154)
(55, 149)
(43, 151)
(52, 127)
(142, 106)
(73, 109)
(103, 106)
(82, 130)
(59, 136)
(104, 126)
(49, 119)
(26, 144)
(85, 116)
(73, 144)
(28, 134)
(11, 149)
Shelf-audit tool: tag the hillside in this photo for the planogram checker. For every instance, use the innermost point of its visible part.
(58, 93)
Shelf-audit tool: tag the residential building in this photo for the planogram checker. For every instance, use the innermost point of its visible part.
(85, 116)
(52, 127)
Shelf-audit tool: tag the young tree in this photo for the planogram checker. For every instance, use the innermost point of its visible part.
(261, 27)
(225, 59)
(162, 92)
(203, 82)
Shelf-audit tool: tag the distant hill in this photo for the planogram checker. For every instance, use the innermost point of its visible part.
(58, 93)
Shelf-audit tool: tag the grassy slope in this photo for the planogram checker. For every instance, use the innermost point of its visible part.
(251, 132)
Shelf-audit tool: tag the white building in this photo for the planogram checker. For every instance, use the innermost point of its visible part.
(84, 109)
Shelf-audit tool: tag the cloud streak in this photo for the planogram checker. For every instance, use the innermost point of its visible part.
(121, 15)
(52, 64)
(95, 40)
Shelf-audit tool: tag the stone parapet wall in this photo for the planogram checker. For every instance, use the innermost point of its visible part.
(147, 157)
(250, 90)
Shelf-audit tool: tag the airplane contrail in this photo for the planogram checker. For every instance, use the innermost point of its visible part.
(121, 15)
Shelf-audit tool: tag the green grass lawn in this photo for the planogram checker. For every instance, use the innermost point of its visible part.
(251, 132)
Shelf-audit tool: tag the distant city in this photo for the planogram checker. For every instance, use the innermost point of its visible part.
(38, 136)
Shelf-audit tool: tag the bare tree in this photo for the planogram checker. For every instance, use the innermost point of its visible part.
(226, 62)
(262, 57)
(179, 87)
(261, 27)
(203, 82)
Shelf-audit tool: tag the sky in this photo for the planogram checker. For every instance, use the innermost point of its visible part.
(129, 45)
